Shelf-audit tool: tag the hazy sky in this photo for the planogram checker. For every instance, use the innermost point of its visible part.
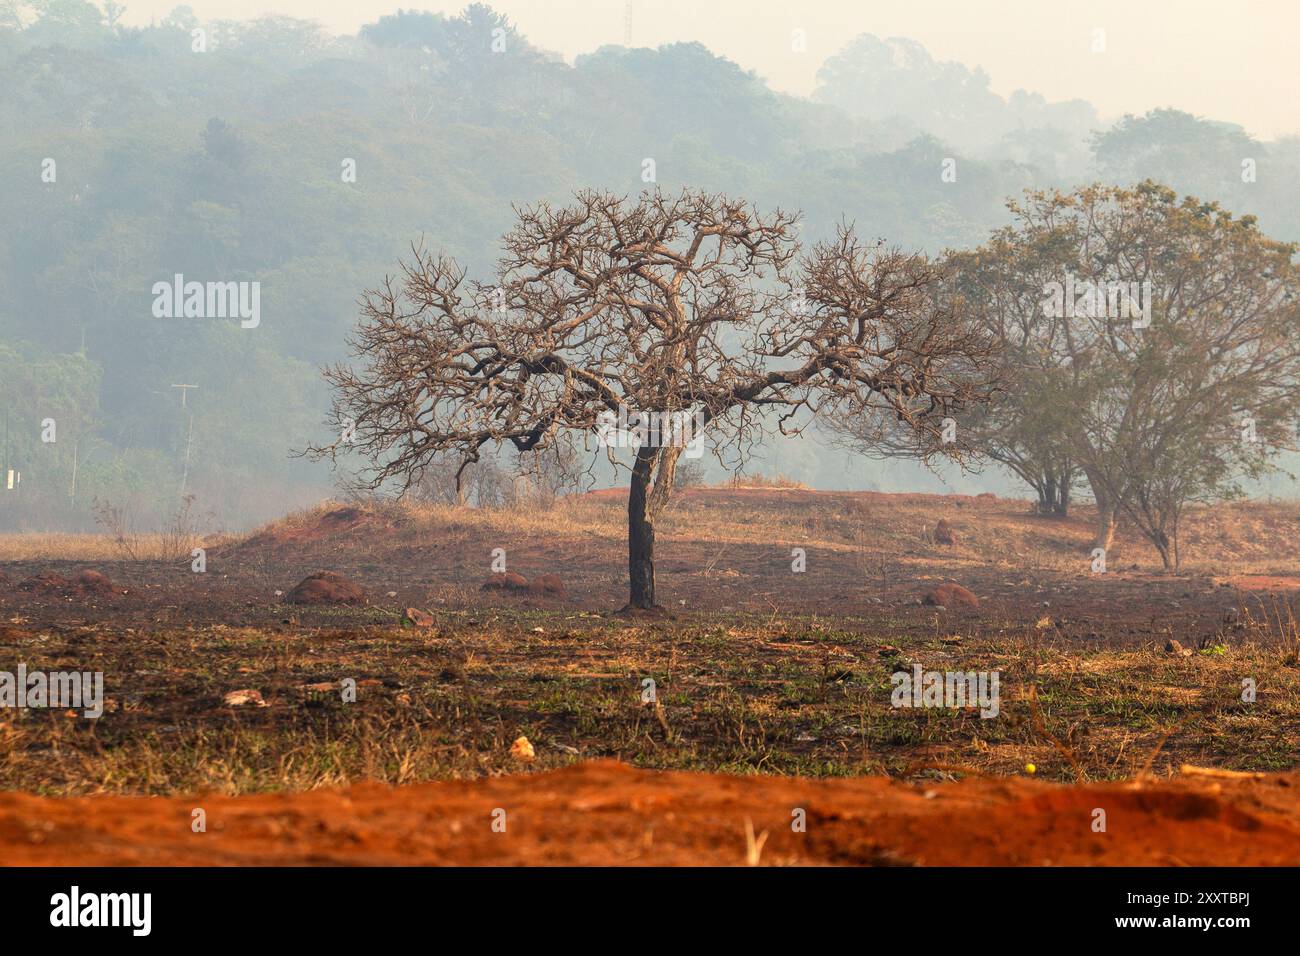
(1223, 60)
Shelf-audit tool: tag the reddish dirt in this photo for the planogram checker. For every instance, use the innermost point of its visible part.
(325, 587)
(344, 524)
(45, 581)
(94, 582)
(943, 533)
(605, 813)
(505, 581)
(1266, 582)
(952, 595)
(546, 584)
(88, 583)
(868, 560)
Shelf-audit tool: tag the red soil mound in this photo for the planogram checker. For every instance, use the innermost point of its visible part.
(94, 582)
(336, 524)
(546, 584)
(45, 581)
(326, 587)
(943, 533)
(506, 581)
(952, 595)
(88, 582)
(606, 813)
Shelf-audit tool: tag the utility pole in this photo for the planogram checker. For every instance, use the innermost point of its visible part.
(11, 477)
(185, 390)
(185, 475)
(73, 495)
(189, 438)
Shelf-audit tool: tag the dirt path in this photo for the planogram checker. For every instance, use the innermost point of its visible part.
(609, 814)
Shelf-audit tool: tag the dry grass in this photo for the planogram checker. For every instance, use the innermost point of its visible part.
(763, 481)
(745, 692)
(1236, 538)
(76, 547)
(740, 696)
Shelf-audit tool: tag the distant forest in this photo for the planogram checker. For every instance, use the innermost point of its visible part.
(268, 151)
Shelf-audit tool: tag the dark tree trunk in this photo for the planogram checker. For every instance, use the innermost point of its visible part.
(1161, 541)
(641, 534)
(1047, 501)
(1062, 506)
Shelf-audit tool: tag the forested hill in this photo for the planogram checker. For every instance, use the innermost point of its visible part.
(268, 152)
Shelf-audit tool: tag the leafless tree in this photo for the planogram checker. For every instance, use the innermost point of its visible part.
(692, 305)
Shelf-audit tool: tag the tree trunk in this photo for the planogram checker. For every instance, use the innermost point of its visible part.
(665, 475)
(1161, 541)
(1062, 507)
(641, 533)
(1105, 531)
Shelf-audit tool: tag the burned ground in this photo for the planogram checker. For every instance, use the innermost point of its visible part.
(757, 671)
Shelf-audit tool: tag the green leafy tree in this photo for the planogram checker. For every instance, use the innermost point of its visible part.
(1155, 348)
